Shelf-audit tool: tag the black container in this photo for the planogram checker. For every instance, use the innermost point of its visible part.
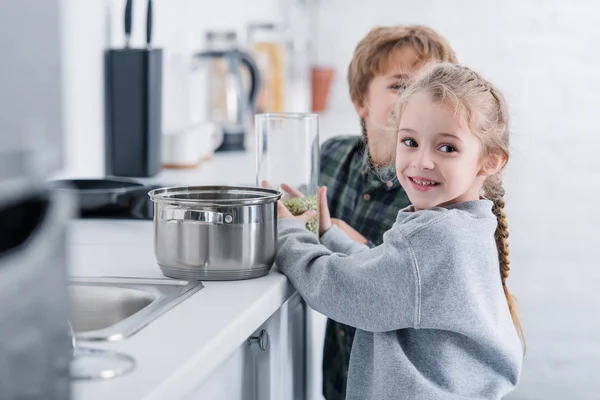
(133, 96)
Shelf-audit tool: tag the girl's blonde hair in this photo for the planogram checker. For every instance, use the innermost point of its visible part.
(483, 108)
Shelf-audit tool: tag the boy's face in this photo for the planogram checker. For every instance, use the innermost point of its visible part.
(378, 106)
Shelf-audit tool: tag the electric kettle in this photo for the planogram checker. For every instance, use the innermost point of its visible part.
(233, 84)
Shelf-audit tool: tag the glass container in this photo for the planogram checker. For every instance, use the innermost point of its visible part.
(287, 157)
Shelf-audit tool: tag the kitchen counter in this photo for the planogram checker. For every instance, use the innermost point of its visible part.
(183, 346)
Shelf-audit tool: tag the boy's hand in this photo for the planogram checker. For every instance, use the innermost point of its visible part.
(350, 231)
(324, 216)
(325, 220)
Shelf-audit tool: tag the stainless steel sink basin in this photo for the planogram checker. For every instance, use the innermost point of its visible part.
(114, 308)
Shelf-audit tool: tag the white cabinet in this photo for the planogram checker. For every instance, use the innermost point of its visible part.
(267, 367)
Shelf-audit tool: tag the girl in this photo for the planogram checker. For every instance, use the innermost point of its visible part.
(434, 317)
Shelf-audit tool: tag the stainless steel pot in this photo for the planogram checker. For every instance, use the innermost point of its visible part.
(215, 232)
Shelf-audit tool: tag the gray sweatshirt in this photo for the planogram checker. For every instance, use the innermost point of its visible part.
(431, 316)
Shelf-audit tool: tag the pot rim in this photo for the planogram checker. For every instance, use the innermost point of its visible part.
(264, 196)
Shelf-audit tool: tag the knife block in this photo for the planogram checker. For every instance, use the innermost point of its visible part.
(133, 112)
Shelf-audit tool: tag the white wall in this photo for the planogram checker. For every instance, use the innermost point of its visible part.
(90, 27)
(544, 57)
(542, 54)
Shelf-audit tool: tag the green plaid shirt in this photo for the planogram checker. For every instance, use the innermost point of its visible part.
(370, 205)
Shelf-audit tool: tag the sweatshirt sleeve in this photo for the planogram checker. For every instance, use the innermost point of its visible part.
(338, 242)
(375, 290)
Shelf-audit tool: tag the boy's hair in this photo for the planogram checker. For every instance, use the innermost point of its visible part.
(481, 105)
(380, 43)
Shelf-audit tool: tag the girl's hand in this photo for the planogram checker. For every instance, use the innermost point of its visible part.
(291, 191)
(324, 216)
(284, 213)
(286, 188)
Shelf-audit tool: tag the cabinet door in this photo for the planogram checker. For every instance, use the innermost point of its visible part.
(233, 380)
(246, 374)
(269, 369)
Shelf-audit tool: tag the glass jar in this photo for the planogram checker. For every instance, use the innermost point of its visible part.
(287, 157)
(217, 74)
(267, 43)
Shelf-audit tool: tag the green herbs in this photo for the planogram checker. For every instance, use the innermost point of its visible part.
(299, 205)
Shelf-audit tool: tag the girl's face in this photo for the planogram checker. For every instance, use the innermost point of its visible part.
(438, 159)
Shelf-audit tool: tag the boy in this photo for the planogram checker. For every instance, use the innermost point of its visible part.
(358, 171)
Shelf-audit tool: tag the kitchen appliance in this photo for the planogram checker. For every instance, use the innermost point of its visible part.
(98, 195)
(215, 232)
(231, 100)
(35, 343)
(109, 197)
(133, 96)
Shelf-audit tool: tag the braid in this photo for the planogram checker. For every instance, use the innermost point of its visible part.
(502, 238)
(494, 190)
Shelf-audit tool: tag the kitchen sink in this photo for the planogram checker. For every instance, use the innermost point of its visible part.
(114, 308)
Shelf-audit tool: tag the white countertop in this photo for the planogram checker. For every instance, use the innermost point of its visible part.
(183, 346)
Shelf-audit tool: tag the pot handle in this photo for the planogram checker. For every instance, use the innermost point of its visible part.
(209, 217)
